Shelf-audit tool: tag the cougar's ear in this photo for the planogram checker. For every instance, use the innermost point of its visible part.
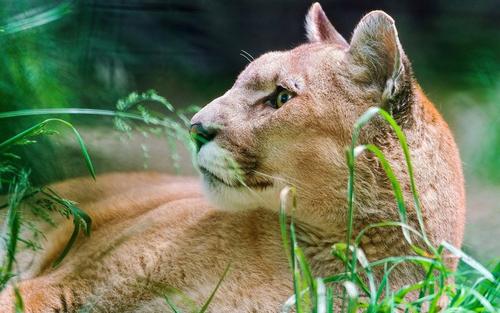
(378, 59)
(319, 28)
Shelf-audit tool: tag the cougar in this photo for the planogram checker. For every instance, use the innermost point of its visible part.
(287, 121)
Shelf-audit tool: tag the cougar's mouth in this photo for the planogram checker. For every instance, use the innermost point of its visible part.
(254, 183)
(219, 168)
(213, 178)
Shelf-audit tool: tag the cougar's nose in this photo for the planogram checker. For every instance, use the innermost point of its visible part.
(201, 135)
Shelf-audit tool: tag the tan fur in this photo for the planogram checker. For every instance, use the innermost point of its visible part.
(154, 234)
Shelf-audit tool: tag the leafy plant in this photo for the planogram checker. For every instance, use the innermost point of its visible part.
(20, 190)
(42, 200)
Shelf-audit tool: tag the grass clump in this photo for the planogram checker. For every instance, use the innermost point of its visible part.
(23, 197)
(16, 180)
(473, 290)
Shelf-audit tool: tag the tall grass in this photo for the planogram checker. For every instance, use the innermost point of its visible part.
(16, 178)
(473, 290)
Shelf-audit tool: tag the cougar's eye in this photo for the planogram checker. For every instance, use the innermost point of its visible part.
(279, 97)
(283, 97)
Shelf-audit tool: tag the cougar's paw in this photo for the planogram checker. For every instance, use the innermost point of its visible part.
(34, 298)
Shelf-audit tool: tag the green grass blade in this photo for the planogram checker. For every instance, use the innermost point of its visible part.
(18, 303)
(172, 306)
(43, 16)
(36, 129)
(363, 261)
(284, 221)
(396, 187)
(12, 227)
(70, 111)
(22, 135)
(341, 277)
(484, 302)
(352, 294)
(288, 305)
(83, 148)
(69, 244)
(210, 298)
(429, 278)
(309, 280)
(469, 261)
(80, 219)
(297, 278)
(385, 224)
(321, 303)
(364, 119)
(340, 251)
(329, 300)
(409, 166)
(295, 256)
(407, 258)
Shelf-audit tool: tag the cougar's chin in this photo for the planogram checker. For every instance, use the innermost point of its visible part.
(229, 198)
(226, 186)
(218, 167)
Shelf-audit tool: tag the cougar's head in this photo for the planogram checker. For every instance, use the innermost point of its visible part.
(289, 117)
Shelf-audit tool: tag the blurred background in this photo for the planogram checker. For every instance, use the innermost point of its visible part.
(89, 54)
